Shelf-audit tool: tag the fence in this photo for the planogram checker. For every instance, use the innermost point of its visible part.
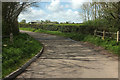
(103, 34)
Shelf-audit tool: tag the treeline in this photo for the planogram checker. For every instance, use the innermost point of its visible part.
(45, 22)
(76, 28)
(102, 14)
(96, 15)
(87, 27)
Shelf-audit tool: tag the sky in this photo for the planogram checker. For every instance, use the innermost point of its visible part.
(54, 11)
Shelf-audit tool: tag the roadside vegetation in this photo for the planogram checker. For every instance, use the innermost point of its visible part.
(18, 53)
(108, 44)
(96, 15)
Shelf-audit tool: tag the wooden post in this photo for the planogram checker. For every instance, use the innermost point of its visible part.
(95, 32)
(117, 36)
(103, 35)
(11, 37)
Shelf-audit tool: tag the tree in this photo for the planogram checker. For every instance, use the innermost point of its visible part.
(108, 12)
(86, 8)
(111, 11)
(56, 22)
(11, 11)
(67, 22)
(84, 12)
(47, 21)
(23, 21)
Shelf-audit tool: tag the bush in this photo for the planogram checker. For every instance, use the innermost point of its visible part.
(77, 28)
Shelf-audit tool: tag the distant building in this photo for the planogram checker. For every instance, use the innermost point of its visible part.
(38, 22)
(34, 22)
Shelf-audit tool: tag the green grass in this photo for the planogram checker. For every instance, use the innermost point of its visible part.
(27, 29)
(108, 44)
(43, 31)
(15, 55)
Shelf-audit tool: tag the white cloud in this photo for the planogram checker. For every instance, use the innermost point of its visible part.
(32, 14)
(76, 4)
(55, 6)
(67, 6)
(57, 13)
(63, 16)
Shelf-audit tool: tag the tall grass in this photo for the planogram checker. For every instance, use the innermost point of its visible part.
(16, 54)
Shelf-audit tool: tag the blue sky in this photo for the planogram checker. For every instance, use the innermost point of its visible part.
(54, 11)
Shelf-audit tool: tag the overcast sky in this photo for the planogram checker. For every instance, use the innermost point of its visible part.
(54, 11)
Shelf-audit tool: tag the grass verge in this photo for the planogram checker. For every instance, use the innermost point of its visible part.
(108, 44)
(18, 53)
